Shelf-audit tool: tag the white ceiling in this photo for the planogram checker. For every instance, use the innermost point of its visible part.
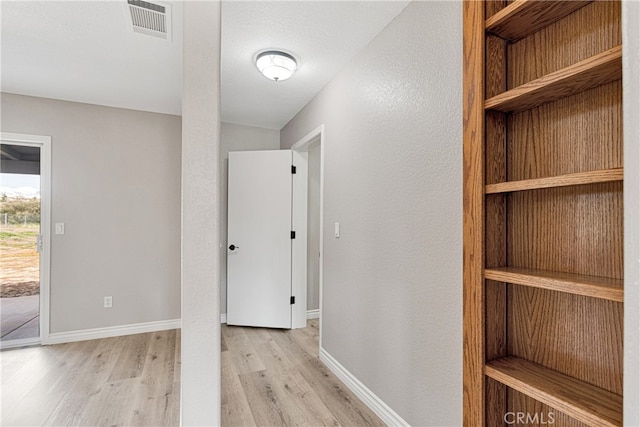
(83, 51)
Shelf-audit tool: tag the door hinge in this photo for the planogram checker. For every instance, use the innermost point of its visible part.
(293, 300)
(293, 169)
(293, 234)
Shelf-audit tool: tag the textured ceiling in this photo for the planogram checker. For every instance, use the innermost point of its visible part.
(322, 35)
(83, 51)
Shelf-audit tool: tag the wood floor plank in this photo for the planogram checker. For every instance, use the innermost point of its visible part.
(289, 346)
(111, 406)
(234, 407)
(244, 354)
(77, 383)
(269, 377)
(345, 406)
(281, 400)
(223, 342)
(270, 354)
(152, 404)
(13, 359)
(132, 358)
(178, 358)
(300, 395)
(34, 407)
(86, 389)
(307, 339)
(263, 403)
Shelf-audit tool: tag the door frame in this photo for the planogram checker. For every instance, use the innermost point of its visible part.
(44, 143)
(299, 219)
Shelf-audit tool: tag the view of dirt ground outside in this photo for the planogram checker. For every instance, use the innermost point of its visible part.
(20, 262)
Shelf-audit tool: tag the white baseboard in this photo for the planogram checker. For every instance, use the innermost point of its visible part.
(381, 409)
(311, 314)
(113, 331)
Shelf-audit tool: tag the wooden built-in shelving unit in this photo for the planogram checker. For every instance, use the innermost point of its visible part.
(543, 206)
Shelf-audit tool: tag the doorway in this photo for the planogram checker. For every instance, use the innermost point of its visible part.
(24, 239)
(308, 216)
(313, 229)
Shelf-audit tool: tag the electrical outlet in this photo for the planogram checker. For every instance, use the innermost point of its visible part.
(108, 302)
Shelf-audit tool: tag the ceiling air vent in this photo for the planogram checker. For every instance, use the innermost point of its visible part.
(153, 19)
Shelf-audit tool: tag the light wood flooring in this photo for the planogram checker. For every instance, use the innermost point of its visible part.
(270, 377)
(122, 381)
(273, 377)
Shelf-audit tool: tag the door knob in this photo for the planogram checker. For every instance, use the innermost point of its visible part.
(233, 247)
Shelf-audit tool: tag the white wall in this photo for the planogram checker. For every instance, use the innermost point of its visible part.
(235, 137)
(631, 83)
(313, 226)
(392, 292)
(200, 340)
(116, 186)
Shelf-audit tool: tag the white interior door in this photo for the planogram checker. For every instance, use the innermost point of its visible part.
(259, 239)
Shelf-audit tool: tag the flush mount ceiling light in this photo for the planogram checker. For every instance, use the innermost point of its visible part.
(276, 65)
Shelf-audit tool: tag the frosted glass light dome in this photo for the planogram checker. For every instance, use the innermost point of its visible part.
(276, 65)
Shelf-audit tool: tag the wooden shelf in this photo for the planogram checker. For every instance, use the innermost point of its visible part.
(524, 17)
(597, 70)
(579, 284)
(543, 189)
(582, 401)
(580, 178)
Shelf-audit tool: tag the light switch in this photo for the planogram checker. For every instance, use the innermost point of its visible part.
(59, 227)
(336, 229)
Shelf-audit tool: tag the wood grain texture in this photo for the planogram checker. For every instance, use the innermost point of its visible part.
(491, 7)
(293, 387)
(473, 212)
(122, 381)
(597, 70)
(587, 32)
(521, 403)
(579, 178)
(495, 223)
(569, 229)
(580, 133)
(575, 335)
(234, 406)
(579, 284)
(582, 401)
(524, 17)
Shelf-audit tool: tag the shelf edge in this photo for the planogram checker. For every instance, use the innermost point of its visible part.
(581, 401)
(599, 69)
(567, 180)
(498, 24)
(566, 285)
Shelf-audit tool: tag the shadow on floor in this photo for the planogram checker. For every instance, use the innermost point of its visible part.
(20, 317)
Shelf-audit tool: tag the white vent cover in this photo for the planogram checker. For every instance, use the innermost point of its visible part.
(153, 19)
